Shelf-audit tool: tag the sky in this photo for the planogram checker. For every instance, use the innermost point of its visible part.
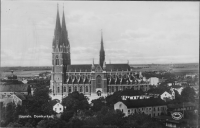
(138, 32)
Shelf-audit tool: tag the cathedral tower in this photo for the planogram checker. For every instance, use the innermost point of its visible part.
(60, 56)
(102, 53)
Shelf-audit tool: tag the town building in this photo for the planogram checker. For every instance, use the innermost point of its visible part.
(93, 80)
(186, 106)
(163, 94)
(132, 94)
(151, 106)
(154, 81)
(178, 88)
(15, 98)
(58, 108)
(169, 122)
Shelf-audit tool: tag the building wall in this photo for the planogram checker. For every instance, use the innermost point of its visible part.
(58, 108)
(154, 80)
(106, 89)
(166, 95)
(149, 110)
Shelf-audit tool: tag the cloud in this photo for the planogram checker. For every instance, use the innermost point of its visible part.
(140, 32)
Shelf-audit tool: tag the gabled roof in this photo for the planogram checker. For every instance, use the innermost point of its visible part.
(14, 88)
(144, 103)
(21, 96)
(155, 91)
(176, 86)
(57, 104)
(186, 104)
(76, 81)
(79, 68)
(158, 91)
(88, 67)
(119, 67)
(132, 92)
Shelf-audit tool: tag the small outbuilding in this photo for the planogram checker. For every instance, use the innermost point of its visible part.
(58, 108)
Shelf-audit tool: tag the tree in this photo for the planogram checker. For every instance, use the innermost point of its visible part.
(75, 123)
(92, 121)
(188, 94)
(7, 114)
(112, 99)
(40, 102)
(98, 104)
(75, 101)
(141, 120)
(67, 115)
(114, 117)
(51, 123)
(15, 124)
(29, 90)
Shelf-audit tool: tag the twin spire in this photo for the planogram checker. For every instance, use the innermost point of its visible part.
(102, 48)
(60, 33)
(102, 53)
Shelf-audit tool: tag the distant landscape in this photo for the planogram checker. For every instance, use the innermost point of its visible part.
(175, 68)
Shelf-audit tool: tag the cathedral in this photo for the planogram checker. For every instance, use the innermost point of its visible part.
(93, 80)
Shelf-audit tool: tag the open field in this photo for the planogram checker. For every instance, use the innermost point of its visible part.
(174, 68)
(24, 73)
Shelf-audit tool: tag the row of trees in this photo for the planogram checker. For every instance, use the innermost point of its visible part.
(38, 104)
(78, 112)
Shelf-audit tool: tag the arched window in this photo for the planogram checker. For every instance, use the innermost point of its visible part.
(64, 89)
(70, 89)
(75, 88)
(88, 77)
(57, 60)
(58, 89)
(81, 89)
(112, 88)
(86, 88)
(98, 82)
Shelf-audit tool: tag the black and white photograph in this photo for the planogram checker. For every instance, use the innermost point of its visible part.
(99, 64)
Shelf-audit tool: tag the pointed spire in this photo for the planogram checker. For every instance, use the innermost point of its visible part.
(57, 30)
(64, 30)
(102, 52)
(58, 26)
(104, 65)
(102, 48)
(93, 64)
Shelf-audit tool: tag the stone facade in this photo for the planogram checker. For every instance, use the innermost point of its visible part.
(152, 110)
(93, 80)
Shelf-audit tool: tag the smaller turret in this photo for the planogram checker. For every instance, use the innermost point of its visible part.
(93, 67)
(104, 65)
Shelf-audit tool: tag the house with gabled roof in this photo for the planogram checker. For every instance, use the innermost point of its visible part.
(152, 106)
(16, 98)
(164, 94)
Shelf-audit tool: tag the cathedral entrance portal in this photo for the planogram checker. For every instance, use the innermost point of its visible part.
(99, 93)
